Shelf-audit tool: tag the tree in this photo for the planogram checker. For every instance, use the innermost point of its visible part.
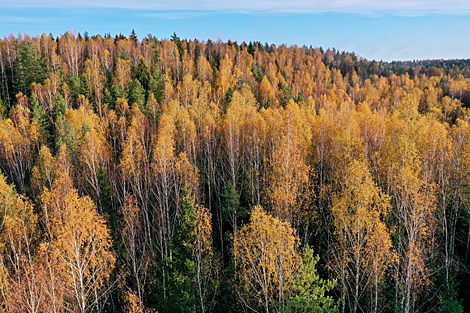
(195, 267)
(227, 77)
(289, 173)
(414, 204)
(266, 257)
(30, 68)
(43, 172)
(231, 210)
(81, 239)
(204, 70)
(137, 254)
(20, 138)
(137, 95)
(71, 50)
(19, 278)
(95, 79)
(309, 290)
(363, 243)
(171, 174)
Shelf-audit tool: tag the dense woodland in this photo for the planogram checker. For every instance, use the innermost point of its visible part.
(144, 175)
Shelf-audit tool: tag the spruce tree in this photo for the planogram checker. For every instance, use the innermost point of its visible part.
(29, 68)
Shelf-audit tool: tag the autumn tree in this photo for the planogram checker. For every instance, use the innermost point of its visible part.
(71, 49)
(266, 255)
(20, 138)
(227, 77)
(363, 246)
(171, 173)
(20, 277)
(137, 254)
(80, 237)
(289, 172)
(414, 202)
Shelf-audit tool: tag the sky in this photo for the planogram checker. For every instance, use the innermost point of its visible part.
(374, 29)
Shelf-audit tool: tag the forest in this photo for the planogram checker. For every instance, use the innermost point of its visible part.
(177, 175)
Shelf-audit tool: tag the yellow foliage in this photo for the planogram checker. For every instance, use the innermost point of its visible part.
(266, 255)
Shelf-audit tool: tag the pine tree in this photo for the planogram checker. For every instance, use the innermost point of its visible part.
(137, 95)
(309, 291)
(30, 68)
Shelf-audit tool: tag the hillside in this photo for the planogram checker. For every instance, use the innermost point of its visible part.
(197, 176)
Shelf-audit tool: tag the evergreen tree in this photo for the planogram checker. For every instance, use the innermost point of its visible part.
(3, 110)
(106, 202)
(183, 269)
(29, 68)
(285, 94)
(195, 267)
(42, 117)
(133, 37)
(75, 86)
(156, 84)
(119, 92)
(178, 43)
(309, 291)
(137, 95)
(142, 74)
(86, 89)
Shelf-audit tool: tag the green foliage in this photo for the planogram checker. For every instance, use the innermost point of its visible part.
(66, 136)
(449, 298)
(232, 212)
(142, 73)
(75, 86)
(451, 306)
(133, 37)
(3, 110)
(285, 94)
(86, 89)
(309, 291)
(156, 84)
(61, 129)
(228, 95)
(179, 44)
(300, 98)
(119, 92)
(30, 68)
(124, 54)
(41, 115)
(60, 106)
(109, 99)
(105, 204)
(251, 49)
(183, 267)
(230, 199)
(258, 71)
(194, 267)
(137, 95)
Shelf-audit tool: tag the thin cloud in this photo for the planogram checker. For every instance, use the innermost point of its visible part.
(23, 20)
(177, 15)
(301, 6)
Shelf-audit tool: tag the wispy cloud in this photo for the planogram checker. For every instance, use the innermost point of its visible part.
(23, 20)
(178, 15)
(407, 7)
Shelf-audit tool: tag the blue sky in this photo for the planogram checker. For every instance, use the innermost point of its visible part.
(380, 30)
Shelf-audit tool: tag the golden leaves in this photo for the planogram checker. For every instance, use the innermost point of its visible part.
(266, 254)
(81, 239)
